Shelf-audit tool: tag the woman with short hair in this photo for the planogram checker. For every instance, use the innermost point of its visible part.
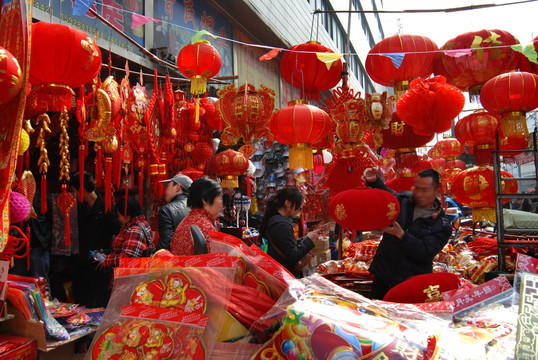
(205, 201)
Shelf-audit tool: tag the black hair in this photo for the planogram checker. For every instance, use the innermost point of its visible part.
(132, 205)
(433, 174)
(277, 201)
(89, 183)
(203, 189)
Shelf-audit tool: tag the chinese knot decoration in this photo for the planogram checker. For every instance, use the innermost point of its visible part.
(246, 112)
(304, 67)
(397, 60)
(199, 61)
(229, 164)
(10, 76)
(62, 58)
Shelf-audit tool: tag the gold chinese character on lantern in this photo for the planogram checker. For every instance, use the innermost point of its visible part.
(433, 293)
(397, 128)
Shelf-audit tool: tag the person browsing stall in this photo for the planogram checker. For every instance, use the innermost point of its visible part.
(176, 190)
(205, 201)
(421, 230)
(277, 227)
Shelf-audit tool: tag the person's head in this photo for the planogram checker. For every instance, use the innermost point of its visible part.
(128, 209)
(426, 187)
(287, 201)
(178, 184)
(88, 183)
(205, 193)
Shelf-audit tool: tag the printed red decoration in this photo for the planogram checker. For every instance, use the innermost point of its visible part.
(430, 105)
(62, 58)
(364, 209)
(229, 164)
(300, 125)
(199, 61)
(425, 288)
(511, 95)
(10, 76)
(418, 54)
(301, 68)
(471, 59)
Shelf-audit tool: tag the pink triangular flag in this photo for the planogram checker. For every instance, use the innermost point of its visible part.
(458, 52)
(270, 55)
(139, 20)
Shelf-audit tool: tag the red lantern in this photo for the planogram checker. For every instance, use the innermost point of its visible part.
(301, 68)
(430, 105)
(61, 58)
(199, 62)
(475, 188)
(201, 153)
(479, 130)
(229, 164)
(10, 76)
(469, 72)
(511, 95)
(401, 183)
(300, 125)
(418, 55)
(364, 209)
(449, 148)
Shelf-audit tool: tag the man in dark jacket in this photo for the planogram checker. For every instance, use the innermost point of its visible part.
(420, 232)
(176, 190)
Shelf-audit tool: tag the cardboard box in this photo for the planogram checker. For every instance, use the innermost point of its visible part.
(27, 328)
(321, 256)
(19, 348)
(321, 245)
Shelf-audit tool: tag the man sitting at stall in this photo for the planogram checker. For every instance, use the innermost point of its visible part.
(420, 232)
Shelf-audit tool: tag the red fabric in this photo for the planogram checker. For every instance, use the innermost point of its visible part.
(181, 243)
(515, 91)
(400, 135)
(130, 242)
(415, 289)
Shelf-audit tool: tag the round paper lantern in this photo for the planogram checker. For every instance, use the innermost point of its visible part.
(467, 61)
(512, 143)
(475, 188)
(418, 55)
(479, 130)
(364, 209)
(511, 95)
(430, 105)
(199, 61)
(450, 148)
(300, 67)
(438, 164)
(229, 164)
(300, 125)
(24, 142)
(201, 153)
(61, 58)
(10, 76)
(19, 207)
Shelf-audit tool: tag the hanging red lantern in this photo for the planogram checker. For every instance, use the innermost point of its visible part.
(199, 61)
(301, 67)
(10, 76)
(401, 183)
(479, 130)
(475, 188)
(229, 164)
(364, 209)
(450, 148)
(430, 105)
(471, 59)
(519, 142)
(438, 164)
(511, 95)
(61, 58)
(300, 125)
(201, 153)
(418, 54)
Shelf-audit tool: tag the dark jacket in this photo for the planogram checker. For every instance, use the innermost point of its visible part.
(280, 233)
(170, 215)
(398, 259)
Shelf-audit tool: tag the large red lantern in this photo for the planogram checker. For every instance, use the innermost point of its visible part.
(475, 188)
(229, 164)
(430, 105)
(364, 209)
(418, 54)
(300, 125)
(10, 76)
(199, 61)
(511, 95)
(471, 59)
(61, 58)
(301, 68)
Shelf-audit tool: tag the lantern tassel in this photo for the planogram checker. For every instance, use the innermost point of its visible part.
(197, 112)
(43, 193)
(198, 84)
(108, 183)
(141, 187)
(81, 152)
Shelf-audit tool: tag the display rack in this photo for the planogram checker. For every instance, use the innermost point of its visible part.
(503, 239)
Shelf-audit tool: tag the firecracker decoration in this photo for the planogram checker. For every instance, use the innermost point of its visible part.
(65, 201)
(246, 112)
(43, 161)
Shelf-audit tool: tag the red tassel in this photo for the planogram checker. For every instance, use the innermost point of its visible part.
(67, 231)
(27, 160)
(249, 189)
(141, 187)
(81, 151)
(19, 166)
(126, 197)
(132, 178)
(115, 160)
(43, 193)
(98, 167)
(108, 183)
